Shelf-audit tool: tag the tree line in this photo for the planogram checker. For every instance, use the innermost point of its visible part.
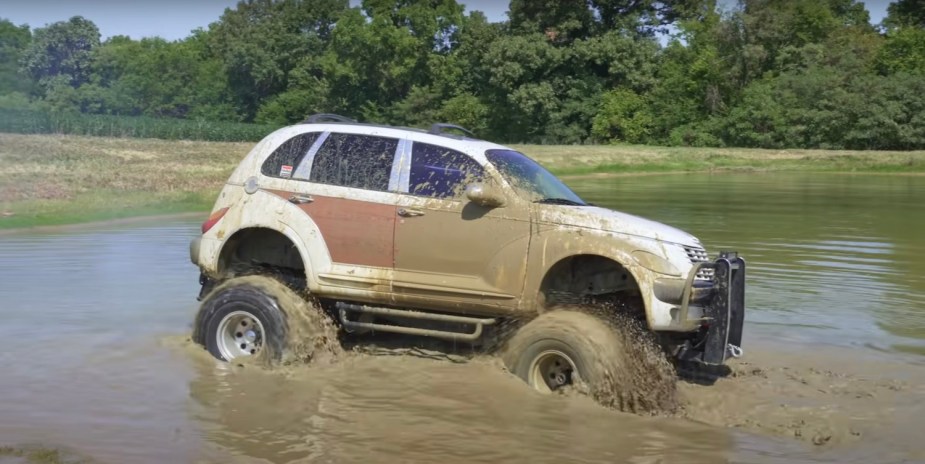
(766, 73)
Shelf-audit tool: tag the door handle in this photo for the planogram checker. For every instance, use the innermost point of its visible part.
(301, 199)
(409, 212)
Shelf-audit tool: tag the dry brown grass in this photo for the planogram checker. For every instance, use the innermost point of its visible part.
(60, 167)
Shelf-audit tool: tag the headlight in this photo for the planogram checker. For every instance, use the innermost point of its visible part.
(656, 263)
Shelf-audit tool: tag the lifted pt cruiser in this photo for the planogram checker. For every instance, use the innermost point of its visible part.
(434, 234)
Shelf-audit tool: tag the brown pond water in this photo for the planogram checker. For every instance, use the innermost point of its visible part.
(95, 359)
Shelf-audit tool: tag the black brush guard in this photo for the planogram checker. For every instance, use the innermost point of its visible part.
(724, 311)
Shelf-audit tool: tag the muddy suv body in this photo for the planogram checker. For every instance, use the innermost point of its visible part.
(427, 226)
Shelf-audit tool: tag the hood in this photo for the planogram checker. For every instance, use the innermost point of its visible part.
(593, 217)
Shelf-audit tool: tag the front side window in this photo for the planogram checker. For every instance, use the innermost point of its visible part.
(439, 172)
(283, 160)
(358, 161)
(531, 180)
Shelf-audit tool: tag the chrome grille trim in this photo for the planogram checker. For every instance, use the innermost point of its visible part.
(699, 255)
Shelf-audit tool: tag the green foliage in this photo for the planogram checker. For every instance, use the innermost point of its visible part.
(466, 110)
(13, 41)
(292, 106)
(767, 73)
(44, 122)
(910, 13)
(61, 53)
(904, 50)
(262, 43)
(560, 20)
(624, 117)
(564, 21)
(17, 101)
(380, 54)
(154, 77)
(822, 108)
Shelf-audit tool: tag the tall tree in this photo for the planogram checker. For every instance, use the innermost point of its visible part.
(573, 19)
(61, 53)
(649, 15)
(905, 13)
(13, 40)
(158, 78)
(261, 42)
(561, 20)
(381, 52)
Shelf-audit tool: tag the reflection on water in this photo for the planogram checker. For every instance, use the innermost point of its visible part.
(840, 256)
(84, 313)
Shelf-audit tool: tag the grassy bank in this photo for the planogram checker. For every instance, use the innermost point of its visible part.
(49, 180)
(597, 159)
(54, 179)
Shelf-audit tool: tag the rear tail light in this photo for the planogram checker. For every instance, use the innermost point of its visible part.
(213, 219)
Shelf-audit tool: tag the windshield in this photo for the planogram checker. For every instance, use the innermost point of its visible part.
(531, 180)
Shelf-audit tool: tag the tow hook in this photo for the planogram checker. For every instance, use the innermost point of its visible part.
(734, 351)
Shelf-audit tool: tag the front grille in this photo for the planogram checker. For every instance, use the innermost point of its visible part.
(699, 255)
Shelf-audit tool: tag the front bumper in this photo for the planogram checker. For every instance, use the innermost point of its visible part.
(724, 312)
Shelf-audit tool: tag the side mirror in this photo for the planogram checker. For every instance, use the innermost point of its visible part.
(484, 195)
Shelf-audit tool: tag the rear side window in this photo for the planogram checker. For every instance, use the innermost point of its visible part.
(358, 161)
(440, 172)
(287, 156)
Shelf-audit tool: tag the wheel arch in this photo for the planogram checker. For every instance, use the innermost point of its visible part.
(278, 247)
(275, 249)
(591, 273)
(275, 216)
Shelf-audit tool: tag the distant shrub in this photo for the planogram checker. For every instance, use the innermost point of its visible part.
(17, 101)
(694, 135)
(43, 122)
(623, 117)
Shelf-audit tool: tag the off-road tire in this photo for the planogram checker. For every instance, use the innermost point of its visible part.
(605, 355)
(257, 296)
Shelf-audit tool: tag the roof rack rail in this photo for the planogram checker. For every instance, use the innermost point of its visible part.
(441, 129)
(327, 117)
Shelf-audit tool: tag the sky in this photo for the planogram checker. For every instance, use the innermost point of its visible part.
(175, 19)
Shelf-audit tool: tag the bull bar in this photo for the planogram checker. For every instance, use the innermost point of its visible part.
(724, 311)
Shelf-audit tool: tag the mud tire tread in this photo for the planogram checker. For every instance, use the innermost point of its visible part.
(620, 367)
(258, 295)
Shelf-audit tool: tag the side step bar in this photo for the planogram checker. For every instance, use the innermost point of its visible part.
(478, 323)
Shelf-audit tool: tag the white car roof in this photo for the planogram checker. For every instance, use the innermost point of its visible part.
(473, 147)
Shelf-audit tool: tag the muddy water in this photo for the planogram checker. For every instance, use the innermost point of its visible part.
(95, 360)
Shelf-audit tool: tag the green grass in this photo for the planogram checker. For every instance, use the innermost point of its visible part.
(102, 206)
(65, 179)
(38, 455)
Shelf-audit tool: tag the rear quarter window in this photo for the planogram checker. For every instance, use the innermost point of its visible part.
(287, 156)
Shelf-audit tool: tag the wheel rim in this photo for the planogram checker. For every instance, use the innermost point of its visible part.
(552, 370)
(239, 334)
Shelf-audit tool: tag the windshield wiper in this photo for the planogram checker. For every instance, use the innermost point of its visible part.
(560, 201)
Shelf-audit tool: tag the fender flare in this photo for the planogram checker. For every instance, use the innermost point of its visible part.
(617, 249)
